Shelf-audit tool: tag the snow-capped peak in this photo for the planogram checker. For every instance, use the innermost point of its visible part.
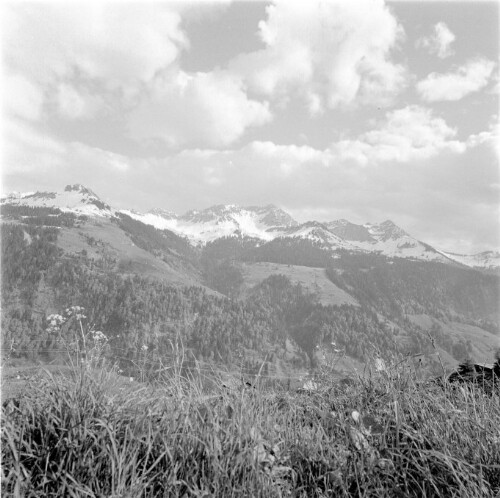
(223, 220)
(320, 234)
(270, 222)
(74, 198)
(387, 230)
(385, 238)
(262, 222)
(78, 187)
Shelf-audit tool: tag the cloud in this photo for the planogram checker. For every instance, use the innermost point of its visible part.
(202, 109)
(120, 44)
(330, 53)
(405, 135)
(439, 42)
(408, 134)
(71, 53)
(296, 153)
(32, 153)
(23, 98)
(491, 137)
(80, 61)
(100, 159)
(73, 103)
(469, 78)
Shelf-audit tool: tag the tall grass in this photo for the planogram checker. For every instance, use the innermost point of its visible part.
(92, 434)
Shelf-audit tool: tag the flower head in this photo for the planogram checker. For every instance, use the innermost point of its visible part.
(54, 323)
(76, 311)
(98, 336)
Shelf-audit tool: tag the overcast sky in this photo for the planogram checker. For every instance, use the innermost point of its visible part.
(364, 110)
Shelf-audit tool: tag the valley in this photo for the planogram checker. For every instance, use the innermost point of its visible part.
(247, 288)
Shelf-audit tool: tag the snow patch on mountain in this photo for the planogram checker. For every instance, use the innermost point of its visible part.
(261, 222)
(75, 199)
(204, 226)
(489, 260)
(154, 220)
(319, 234)
(385, 238)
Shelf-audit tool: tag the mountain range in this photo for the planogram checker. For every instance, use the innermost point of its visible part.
(240, 282)
(265, 224)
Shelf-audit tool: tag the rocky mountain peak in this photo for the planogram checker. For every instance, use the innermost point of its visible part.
(164, 213)
(387, 230)
(78, 187)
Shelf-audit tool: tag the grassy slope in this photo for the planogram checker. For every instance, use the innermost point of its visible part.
(113, 241)
(313, 279)
(483, 342)
(88, 433)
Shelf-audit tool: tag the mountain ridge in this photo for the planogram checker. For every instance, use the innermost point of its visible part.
(265, 223)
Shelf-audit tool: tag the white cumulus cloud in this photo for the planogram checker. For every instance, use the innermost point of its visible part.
(412, 133)
(490, 137)
(206, 109)
(439, 42)
(408, 134)
(119, 44)
(56, 49)
(464, 80)
(331, 53)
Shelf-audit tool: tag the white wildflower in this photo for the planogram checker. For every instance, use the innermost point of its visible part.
(310, 386)
(98, 336)
(77, 311)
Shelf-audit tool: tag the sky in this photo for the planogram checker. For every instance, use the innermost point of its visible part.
(363, 109)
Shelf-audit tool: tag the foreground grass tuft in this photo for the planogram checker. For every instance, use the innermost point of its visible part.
(90, 435)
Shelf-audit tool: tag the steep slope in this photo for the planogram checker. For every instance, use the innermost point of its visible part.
(221, 221)
(265, 224)
(88, 228)
(386, 238)
(313, 280)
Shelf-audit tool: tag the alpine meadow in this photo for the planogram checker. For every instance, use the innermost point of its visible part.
(250, 249)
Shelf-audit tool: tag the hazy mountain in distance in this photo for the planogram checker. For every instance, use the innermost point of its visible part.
(486, 259)
(264, 223)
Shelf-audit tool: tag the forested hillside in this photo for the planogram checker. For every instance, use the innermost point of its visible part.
(143, 317)
(399, 287)
(136, 312)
